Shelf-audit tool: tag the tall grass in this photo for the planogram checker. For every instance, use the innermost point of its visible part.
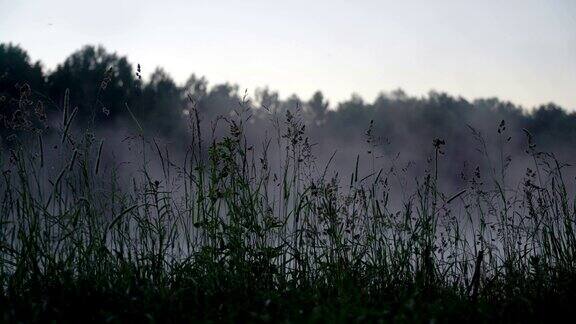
(231, 232)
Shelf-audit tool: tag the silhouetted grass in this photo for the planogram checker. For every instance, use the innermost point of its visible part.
(233, 234)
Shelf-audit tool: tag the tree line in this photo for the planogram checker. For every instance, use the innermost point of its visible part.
(108, 91)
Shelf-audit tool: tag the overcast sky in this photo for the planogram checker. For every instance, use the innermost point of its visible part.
(523, 51)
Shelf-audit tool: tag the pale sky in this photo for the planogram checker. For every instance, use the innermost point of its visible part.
(523, 51)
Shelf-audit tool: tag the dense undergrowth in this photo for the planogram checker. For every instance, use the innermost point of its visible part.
(232, 232)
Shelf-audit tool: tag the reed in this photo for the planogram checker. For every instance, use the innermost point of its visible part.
(231, 234)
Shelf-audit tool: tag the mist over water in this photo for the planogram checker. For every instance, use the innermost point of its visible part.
(394, 133)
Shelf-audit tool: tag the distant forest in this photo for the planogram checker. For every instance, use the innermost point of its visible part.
(108, 91)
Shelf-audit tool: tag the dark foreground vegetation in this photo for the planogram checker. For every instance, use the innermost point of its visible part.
(235, 228)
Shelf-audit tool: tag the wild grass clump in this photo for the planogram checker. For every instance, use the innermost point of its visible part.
(232, 233)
